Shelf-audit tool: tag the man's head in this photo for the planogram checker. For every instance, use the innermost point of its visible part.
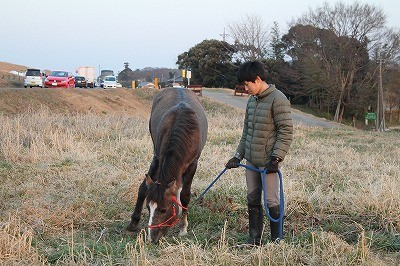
(250, 70)
(252, 74)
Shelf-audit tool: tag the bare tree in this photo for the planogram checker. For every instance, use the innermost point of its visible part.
(362, 22)
(326, 61)
(359, 21)
(250, 36)
(393, 91)
(387, 46)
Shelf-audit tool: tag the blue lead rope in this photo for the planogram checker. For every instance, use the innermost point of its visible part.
(263, 174)
(281, 197)
(212, 184)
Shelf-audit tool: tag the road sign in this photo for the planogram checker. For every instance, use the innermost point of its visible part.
(370, 116)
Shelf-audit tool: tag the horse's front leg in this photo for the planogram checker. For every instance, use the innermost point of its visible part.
(135, 218)
(142, 193)
(187, 179)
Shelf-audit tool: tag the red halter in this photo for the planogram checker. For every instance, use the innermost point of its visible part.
(174, 215)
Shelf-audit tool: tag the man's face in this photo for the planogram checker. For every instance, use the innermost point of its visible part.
(253, 87)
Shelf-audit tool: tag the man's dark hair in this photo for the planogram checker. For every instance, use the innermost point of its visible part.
(250, 70)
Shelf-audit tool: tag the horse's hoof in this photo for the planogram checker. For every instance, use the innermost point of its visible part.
(182, 233)
(132, 227)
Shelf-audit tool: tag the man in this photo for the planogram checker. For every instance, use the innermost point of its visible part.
(266, 138)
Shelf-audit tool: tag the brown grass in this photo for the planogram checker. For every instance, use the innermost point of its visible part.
(69, 182)
(7, 67)
(16, 244)
(98, 102)
(7, 79)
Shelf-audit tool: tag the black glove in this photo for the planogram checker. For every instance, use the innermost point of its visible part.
(273, 165)
(232, 163)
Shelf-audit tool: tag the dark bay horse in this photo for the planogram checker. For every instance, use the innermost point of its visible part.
(178, 129)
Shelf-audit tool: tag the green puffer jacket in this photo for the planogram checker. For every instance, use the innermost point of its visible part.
(268, 127)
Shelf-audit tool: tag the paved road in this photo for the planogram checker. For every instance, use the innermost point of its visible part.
(299, 118)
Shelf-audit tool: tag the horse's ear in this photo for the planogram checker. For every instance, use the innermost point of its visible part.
(149, 181)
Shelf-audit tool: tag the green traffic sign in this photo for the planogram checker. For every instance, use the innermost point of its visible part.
(370, 116)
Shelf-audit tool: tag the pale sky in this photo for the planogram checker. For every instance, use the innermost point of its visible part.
(65, 34)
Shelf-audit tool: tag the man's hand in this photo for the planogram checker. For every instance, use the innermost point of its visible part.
(273, 165)
(232, 163)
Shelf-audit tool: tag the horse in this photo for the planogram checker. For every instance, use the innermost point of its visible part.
(178, 128)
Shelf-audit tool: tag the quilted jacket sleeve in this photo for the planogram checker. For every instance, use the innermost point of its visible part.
(284, 127)
(241, 147)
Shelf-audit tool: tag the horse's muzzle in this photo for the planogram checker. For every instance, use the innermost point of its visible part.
(154, 236)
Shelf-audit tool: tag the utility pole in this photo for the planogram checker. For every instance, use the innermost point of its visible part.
(224, 35)
(380, 107)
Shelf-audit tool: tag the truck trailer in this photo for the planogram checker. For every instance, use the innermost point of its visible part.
(88, 73)
(103, 73)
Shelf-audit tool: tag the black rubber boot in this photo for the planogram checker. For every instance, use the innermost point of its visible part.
(256, 217)
(274, 226)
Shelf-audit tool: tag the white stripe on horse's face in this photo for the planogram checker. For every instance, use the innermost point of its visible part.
(178, 197)
(153, 207)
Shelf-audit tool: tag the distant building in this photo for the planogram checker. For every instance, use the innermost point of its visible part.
(173, 82)
(145, 84)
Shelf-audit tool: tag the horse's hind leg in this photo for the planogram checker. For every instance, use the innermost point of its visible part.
(135, 218)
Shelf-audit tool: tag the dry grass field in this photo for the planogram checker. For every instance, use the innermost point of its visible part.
(69, 181)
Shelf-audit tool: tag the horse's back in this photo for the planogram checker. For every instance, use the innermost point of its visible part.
(170, 97)
(173, 99)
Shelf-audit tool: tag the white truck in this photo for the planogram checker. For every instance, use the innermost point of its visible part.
(88, 73)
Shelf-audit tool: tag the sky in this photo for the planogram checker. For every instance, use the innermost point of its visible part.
(65, 34)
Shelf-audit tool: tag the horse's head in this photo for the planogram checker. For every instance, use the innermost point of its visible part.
(163, 208)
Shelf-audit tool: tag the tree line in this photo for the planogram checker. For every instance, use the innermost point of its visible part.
(332, 58)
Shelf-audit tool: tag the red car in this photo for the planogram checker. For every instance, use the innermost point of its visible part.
(60, 79)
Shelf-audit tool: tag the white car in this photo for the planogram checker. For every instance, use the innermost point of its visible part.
(110, 82)
(33, 78)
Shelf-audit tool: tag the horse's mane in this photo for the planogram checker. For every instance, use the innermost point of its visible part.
(182, 130)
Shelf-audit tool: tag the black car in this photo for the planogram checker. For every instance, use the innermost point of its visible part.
(80, 82)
